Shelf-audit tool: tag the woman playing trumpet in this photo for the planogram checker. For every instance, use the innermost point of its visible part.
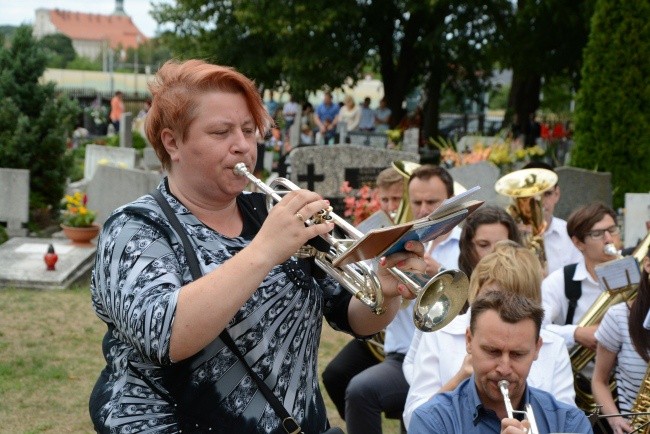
(166, 367)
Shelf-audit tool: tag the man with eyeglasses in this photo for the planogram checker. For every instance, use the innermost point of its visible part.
(569, 292)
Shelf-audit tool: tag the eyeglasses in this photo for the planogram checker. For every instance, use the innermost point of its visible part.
(600, 233)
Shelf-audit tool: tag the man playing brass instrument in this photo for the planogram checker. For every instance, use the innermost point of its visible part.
(591, 228)
(504, 339)
(559, 248)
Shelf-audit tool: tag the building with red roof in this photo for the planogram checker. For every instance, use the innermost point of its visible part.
(90, 33)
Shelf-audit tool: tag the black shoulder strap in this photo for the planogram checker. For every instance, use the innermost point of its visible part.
(288, 422)
(572, 291)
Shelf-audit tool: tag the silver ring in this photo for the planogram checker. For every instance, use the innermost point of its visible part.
(300, 217)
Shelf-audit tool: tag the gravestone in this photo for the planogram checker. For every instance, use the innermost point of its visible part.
(365, 138)
(14, 200)
(24, 267)
(126, 130)
(112, 187)
(411, 140)
(580, 187)
(294, 130)
(150, 160)
(484, 174)
(637, 217)
(324, 168)
(107, 155)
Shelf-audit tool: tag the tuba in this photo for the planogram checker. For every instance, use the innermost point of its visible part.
(581, 356)
(525, 187)
(439, 300)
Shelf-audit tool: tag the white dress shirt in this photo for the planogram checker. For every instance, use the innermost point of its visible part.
(556, 304)
(446, 253)
(440, 355)
(559, 248)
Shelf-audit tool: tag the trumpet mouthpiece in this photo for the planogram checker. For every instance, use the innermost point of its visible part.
(240, 169)
(610, 249)
(503, 385)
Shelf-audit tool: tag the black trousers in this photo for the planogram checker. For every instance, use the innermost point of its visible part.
(354, 358)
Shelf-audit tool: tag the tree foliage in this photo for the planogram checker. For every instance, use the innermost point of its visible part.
(612, 130)
(59, 50)
(309, 45)
(35, 121)
(545, 40)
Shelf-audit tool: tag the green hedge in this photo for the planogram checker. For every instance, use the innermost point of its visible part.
(612, 120)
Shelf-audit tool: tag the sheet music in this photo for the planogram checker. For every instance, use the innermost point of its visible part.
(618, 273)
(452, 202)
(378, 220)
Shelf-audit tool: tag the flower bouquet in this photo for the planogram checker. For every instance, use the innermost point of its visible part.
(359, 204)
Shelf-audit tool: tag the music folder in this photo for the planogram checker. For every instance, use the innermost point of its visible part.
(387, 240)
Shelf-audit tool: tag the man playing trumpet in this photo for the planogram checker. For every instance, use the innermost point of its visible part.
(503, 339)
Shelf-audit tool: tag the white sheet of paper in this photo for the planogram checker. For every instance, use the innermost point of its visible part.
(618, 273)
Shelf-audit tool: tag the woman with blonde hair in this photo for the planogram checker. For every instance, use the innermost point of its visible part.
(442, 363)
(350, 114)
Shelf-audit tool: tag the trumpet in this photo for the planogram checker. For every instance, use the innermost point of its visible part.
(503, 387)
(439, 300)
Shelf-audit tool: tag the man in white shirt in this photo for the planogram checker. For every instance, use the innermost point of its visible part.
(591, 228)
(383, 387)
(559, 248)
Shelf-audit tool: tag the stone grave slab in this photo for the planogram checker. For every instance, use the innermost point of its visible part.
(484, 174)
(411, 140)
(112, 187)
(107, 156)
(580, 187)
(14, 200)
(126, 130)
(24, 267)
(637, 218)
(324, 168)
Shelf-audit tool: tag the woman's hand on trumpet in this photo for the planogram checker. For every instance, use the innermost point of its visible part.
(409, 260)
(284, 231)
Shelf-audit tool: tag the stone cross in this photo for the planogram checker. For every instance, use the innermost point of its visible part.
(14, 200)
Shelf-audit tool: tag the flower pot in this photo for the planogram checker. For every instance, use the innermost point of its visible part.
(81, 236)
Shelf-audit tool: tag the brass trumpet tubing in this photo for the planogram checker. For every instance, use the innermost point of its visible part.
(361, 275)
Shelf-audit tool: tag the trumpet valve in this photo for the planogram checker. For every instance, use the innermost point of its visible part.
(322, 216)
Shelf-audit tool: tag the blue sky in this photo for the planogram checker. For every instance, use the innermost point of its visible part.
(16, 12)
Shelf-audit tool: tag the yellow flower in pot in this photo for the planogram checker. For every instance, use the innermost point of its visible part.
(77, 221)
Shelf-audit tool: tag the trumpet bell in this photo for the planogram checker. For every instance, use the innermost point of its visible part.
(441, 299)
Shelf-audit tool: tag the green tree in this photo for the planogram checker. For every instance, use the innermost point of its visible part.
(59, 50)
(309, 45)
(545, 39)
(35, 121)
(612, 121)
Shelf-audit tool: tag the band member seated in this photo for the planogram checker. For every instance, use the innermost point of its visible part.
(381, 387)
(503, 340)
(442, 363)
(625, 344)
(590, 227)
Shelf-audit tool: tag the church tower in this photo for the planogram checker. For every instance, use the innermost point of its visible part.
(119, 7)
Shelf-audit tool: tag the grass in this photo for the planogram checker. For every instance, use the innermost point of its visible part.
(50, 356)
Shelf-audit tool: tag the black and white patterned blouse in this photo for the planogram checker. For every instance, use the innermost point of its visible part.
(139, 270)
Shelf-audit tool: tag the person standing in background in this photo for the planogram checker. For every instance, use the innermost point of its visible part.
(382, 116)
(117, 108)
(367, 121)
